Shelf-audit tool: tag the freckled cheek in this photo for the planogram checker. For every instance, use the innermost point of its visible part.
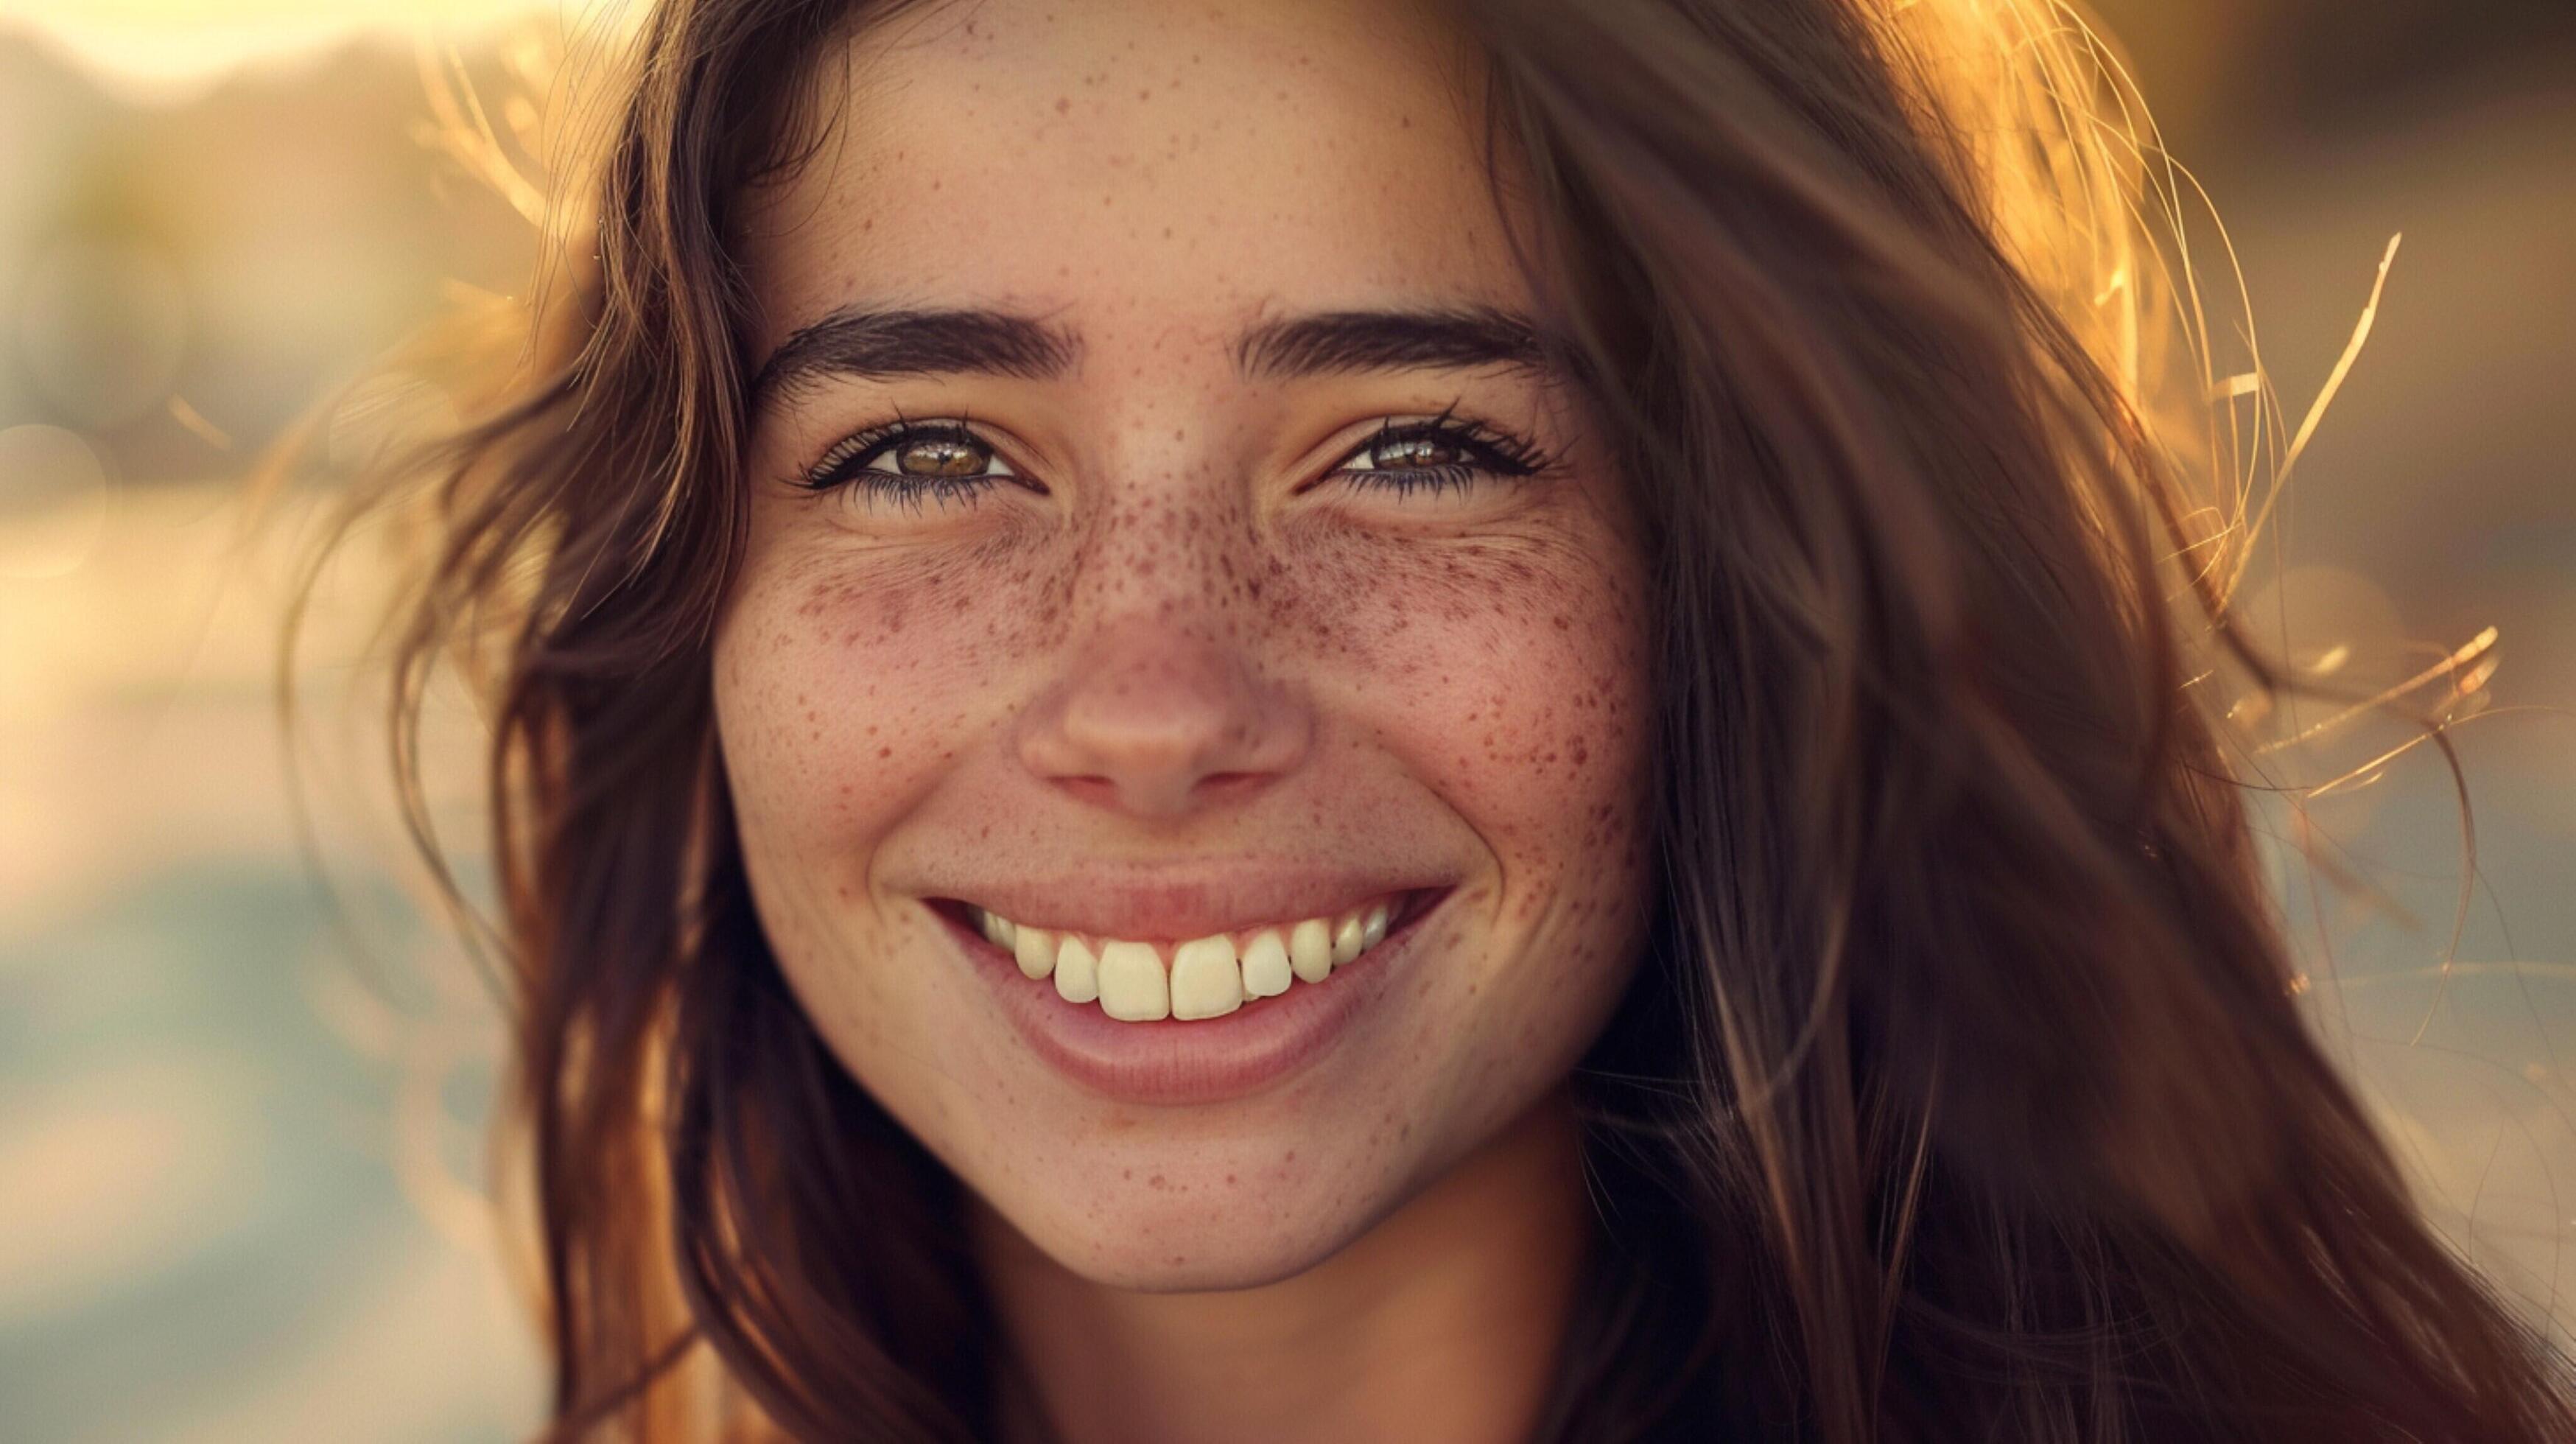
(1517, 694)
(847, 695)
(1513, 684)
(1516, 691)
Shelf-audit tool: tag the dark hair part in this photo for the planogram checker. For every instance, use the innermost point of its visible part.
(1963, 1093)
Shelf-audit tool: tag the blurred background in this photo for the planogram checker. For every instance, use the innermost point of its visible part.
(242, 1079)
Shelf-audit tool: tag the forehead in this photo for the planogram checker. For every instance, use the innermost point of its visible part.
(1141, 166)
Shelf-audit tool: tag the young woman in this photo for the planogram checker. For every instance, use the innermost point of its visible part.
(1329, 720)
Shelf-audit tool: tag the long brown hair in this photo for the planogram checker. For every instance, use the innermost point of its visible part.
(1962, 1092)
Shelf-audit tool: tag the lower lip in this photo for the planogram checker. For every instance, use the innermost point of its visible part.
(1176, 1062)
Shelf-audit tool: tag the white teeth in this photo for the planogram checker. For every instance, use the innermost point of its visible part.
(1035, 948)
(1310, 948)
(1205, 980)
(1132, 986)
(1077, 972)
(1346, 940)
(1265, 965)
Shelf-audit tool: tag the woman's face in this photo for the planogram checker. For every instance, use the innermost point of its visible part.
(1245, 570)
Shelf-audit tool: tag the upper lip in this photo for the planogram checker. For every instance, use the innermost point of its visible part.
(1152, 904)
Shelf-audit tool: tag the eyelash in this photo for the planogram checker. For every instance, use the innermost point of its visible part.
(847, 464)
(1498, 453)
(1487, 450)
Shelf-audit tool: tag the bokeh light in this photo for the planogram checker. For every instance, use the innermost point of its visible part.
(53, 501)
(169, 52)
(103, 322)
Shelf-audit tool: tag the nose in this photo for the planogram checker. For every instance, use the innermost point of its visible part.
(1156, 718)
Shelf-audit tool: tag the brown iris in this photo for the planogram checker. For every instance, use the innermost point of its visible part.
(1415, 451)
(940, 456)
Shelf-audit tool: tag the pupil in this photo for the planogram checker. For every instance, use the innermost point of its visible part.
(940, 458)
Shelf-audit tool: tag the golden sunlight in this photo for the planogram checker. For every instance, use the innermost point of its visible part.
(169, 51)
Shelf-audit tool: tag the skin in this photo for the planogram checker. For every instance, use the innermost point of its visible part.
(1198, 640)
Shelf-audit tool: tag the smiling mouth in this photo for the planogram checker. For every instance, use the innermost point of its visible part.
(1200, 978)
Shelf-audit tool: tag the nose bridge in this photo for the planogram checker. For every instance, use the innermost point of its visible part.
(1166, 526)
(1162, 696)
(1166, 505)
(1157, 544)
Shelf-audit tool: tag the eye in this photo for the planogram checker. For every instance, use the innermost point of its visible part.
(1435, 455)
(908, 462)
(944, 456)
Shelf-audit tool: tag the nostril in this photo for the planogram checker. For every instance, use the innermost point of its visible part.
(1227, 784)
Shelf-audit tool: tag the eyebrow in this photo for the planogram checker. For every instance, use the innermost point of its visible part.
(1334, 342)
(877, 344)
(880, 344)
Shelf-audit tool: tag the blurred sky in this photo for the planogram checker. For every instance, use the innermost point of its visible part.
(240, 1115)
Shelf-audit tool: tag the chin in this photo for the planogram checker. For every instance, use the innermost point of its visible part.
(1198, 1213)
(1184, 1228)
